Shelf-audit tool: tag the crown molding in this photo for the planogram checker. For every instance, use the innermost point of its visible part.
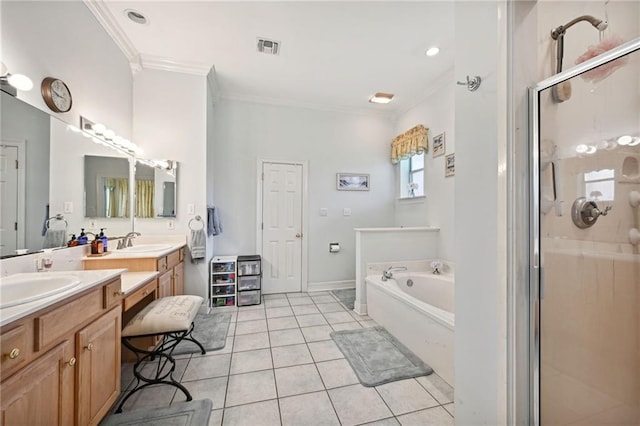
(306, 105)
(106, 19)
(168, 64)
(213, 86)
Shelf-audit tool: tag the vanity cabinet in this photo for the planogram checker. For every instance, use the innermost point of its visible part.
(62, 364)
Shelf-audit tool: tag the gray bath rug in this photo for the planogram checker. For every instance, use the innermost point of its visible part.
(192, 413)
(210, 330)
(347, 297)
(377, 357)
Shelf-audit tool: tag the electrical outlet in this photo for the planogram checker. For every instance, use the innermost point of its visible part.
(68, 207)
(346, 211)
(191, 209)
(324, 211)
(171, 224)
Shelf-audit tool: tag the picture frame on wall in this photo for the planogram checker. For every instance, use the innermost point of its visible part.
(450, 165)
(352, 182)
(438, 145)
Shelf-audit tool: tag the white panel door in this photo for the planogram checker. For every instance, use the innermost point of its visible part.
(281, 227)
(8, 199)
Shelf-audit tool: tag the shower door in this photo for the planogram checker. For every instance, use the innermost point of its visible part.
(585, 345)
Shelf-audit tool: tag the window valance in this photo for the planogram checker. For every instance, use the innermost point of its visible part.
(413, 141)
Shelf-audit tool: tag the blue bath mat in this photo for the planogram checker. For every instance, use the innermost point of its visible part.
(347, 297)
(377, 357)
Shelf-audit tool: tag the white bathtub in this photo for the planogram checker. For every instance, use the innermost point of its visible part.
(421, 316)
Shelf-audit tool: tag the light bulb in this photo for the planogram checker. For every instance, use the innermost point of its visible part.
(99, 128)
(109, 134)
(636, 141)
(20, 82)
(432, 51)
(625, 140)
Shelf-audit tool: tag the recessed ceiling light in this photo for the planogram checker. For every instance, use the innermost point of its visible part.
(381, 98)
(432, 51)
(136, 16)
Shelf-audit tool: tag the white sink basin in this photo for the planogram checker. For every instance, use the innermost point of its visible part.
(24, 288)
(144, 248)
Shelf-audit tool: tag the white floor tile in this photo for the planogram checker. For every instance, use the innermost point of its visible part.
(323, 299)
(276, 303)
(437, 416)
(265, 413)
(298, 379)
(286, 337)
(369, 323)
(356, 404)
(324, 351)
(248, 327)
(282, 323)
(251, 315)
(330, 307)
(248, 342)
(152, 396)
(405, 396)
(305, 309)
(451, 408)
(337, 373)
(245, 362)
(346, 326)
(317, 333)
(311, 320)
(391, 421)
(337, 317)
(287, 356)
(213, 389)
(279, 312)
(207, 366)
(301, 301)
(312, 409)
(438, 388)
(274, 296)
(296, 295)
(250, 387)
(216, 418)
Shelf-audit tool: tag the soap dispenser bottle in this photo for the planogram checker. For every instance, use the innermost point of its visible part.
(97, 246)
(104, 239)
(72, 242)
(82, 238)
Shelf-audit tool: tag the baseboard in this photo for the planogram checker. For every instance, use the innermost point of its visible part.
(331, 285)
(360, 309)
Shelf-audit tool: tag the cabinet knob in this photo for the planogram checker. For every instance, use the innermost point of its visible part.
(119, 293)
(89, 347)
(72, 362)
(299, 235)
(15, 353)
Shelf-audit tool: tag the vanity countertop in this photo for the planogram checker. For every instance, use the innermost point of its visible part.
(88, 279)
(130, 253)
(131, 281)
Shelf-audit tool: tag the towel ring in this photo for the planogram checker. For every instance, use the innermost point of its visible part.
(58, 218)
(196, 219)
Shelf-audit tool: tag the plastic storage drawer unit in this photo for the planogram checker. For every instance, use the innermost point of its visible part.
(251, 282)
(249, 298)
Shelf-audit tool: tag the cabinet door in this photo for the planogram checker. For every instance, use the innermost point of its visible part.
(165, 283)
(178, 279)
(98, 349)
(42, 392)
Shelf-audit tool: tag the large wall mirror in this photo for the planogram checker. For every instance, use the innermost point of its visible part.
(68, 180)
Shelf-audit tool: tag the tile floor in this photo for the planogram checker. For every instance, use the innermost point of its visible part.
(280, 367)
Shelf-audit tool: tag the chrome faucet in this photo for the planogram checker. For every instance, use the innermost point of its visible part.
(388, 274)
(436, 267)
(126, 240)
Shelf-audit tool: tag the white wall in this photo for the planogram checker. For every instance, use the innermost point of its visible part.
(171, 123)
(480, 355)
(435, 112)
(63, 40)
(331, 142)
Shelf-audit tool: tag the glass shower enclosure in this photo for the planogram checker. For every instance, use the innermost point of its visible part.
(585, 239)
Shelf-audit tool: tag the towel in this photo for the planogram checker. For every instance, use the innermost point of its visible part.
(198, 245)
(214, 226)
(54, 238)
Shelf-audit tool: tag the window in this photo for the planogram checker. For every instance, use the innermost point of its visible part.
(599, 185)
(412, 176)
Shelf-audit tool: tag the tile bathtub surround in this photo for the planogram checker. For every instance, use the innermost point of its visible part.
(281, 367)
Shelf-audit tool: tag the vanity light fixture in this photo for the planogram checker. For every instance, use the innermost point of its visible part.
(16, 81)
(625, 140)
(99, 133)
(432, 51)
(381, 98)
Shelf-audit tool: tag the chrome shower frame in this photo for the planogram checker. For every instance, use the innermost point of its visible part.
(535, 290)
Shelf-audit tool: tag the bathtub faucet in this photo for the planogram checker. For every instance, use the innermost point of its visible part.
(436, 267)
(388, 274)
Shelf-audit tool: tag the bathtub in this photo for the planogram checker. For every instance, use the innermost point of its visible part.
(421, 316)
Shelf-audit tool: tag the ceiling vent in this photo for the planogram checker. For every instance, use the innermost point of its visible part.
(270, 47)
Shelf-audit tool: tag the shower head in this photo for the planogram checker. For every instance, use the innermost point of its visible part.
(598, 24)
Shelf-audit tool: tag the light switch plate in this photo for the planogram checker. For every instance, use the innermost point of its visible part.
(171, 224)
(346, 211)
(68, 207)
(191, 209)
(324, 211)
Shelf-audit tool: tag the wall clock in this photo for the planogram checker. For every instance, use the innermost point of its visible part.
(56, 94)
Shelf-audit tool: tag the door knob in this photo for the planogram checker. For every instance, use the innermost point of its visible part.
(299, 235)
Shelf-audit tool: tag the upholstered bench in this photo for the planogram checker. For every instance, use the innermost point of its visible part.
(172, 318)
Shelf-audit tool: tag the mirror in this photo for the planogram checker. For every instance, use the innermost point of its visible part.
(106, 187)
(155, 188)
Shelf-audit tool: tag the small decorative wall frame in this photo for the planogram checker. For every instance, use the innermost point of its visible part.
(450, 165)
(438, 145)
(352, 182)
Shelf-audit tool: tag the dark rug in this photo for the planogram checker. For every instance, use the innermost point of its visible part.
(192, 413)
(210, 330)
(347, 297)
(377, 357)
